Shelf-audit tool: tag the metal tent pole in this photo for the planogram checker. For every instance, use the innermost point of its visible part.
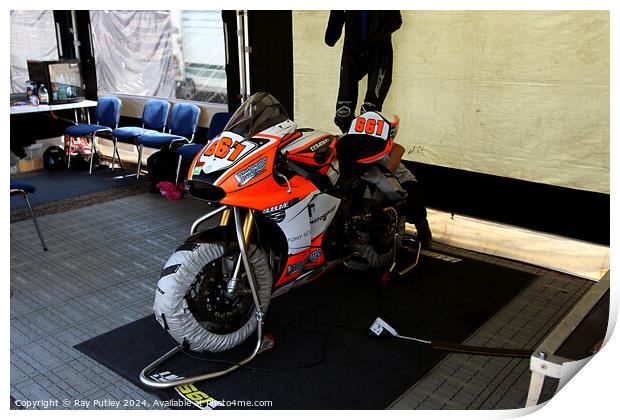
(76, 40)
(244, 53)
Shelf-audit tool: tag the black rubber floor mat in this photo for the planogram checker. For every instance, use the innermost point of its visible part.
(324, 357)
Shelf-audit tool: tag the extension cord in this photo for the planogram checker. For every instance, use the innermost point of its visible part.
(380, 327)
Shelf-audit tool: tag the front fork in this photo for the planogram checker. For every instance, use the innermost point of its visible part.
(244, 223)
(243, 227)
(246, 236)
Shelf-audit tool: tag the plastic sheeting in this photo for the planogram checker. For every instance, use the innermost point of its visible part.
(133, 52)
(521, 94)
(33, 37)
(170, 54)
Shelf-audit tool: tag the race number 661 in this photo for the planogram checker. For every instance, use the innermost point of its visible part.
(369, 126)
(223, 147)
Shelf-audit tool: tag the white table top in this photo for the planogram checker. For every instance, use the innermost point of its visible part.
(25, 109)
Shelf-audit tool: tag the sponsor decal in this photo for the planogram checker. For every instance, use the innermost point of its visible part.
(189, 392)
(380, 77)
(320, 144)
(298, 266)
(442, 257)
(198, 168)
(282, 206)
(343, 111)
(293, 268)
(197, 397)
(251, 172)
(277, 216)
(323, 217)
(314, 256)
(298, 237)
(277, 213)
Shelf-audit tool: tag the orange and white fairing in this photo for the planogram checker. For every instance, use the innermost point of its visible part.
(243, 169)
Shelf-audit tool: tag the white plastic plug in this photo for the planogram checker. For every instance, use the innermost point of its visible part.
(380, 325)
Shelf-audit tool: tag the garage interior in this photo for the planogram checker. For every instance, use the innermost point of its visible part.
(504, 117)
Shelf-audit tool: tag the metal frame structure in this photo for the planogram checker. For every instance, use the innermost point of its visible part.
(34, 219)
(140, 148)
(180, 159)
(545, 362)
(418, 250)
(244, 50)
(93, 145)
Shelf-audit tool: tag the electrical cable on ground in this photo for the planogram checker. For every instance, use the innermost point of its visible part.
(282, 369)
(382, 325)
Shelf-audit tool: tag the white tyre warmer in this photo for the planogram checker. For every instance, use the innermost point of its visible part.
(177, 277)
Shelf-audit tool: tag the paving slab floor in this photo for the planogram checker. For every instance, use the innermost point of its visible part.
(100, 272)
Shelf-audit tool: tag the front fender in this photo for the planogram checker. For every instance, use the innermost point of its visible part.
(223, 235)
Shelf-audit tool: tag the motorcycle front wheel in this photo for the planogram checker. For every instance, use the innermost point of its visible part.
(194, 305)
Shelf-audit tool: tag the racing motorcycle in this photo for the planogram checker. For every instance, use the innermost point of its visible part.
(287, 204)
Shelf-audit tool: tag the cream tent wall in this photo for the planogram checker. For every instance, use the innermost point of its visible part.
(521, 94)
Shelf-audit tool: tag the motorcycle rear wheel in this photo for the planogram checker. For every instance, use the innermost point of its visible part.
(367, 257)
(178, 314)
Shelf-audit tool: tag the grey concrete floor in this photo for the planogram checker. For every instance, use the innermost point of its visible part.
(99, 274)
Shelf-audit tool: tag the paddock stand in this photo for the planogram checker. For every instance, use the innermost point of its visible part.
(411, 245)
(262, 343)
(408, 243)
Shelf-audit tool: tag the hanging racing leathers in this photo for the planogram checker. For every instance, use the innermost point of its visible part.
(367, 50)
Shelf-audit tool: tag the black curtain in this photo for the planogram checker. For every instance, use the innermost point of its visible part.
(271, 57)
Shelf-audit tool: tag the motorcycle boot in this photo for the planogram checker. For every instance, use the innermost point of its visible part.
(344, 115)
(369, 107)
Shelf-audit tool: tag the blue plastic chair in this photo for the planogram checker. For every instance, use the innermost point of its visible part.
(107, 115)
(154, 118)
(23, 188)
(216, 126)
(182, 128)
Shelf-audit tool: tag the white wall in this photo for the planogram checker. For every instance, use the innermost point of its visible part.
(521, 94)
